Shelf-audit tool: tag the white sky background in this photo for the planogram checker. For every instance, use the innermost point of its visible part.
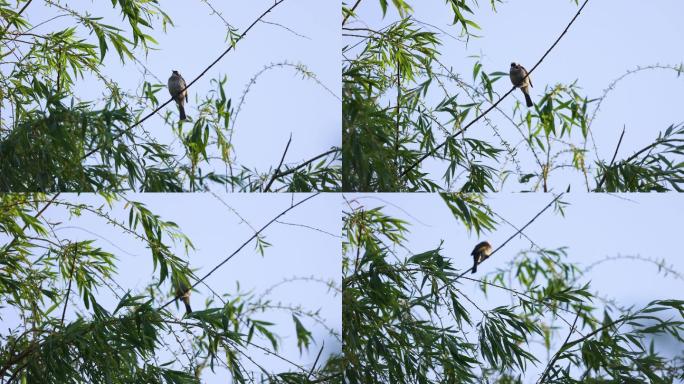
(279, 104)
(606, 40)
(595, 226)
(216, 232)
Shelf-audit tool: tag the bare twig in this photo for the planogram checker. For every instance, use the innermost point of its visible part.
(309, 227)
(277, 171)
(287, 29)
(557, 355)
(315, 361)
(214, 11)
(603, 178)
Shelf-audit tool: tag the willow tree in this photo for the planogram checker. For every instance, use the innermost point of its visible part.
(68, 317)
(53, 139)
(411, 316)
(413, 121)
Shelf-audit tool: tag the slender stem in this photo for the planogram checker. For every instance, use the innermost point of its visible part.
(605, 174)
(557, 355)
(351, 11)
(438, 147)
(244, 244)
(277, 171)
(18, 14)
(304, 164)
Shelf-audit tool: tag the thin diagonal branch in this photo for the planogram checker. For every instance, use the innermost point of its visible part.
(605, 174)
(351, 11)
(244, 244)
(462, 130)
(315, 361)
(18, 14)
(277, 171)
(557, 355)
(304, 164)
(118, 135)
(517, 232)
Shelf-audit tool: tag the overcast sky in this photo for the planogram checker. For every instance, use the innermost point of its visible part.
(608, 39)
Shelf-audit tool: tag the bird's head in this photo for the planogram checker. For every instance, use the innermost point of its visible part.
(513, 65)
(175, 72)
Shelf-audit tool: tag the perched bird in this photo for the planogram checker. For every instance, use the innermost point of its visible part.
(481, 251)
(178, 92)
(518, 77)
(183, 293)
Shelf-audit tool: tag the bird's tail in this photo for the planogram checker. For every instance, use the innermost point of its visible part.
(186, 301)
(474, 267)
(181, 109)
(528, 100)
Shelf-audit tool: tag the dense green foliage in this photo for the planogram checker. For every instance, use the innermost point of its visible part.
(53, 140)
(407, 116)
(411, 317)
(67, 319)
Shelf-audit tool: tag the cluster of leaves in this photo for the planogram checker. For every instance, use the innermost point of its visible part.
(471, 211)
(406, 320)
(380, 143)
(652, 168)
(44, 275)
(406, 114)
(50, 140)
(459, 7)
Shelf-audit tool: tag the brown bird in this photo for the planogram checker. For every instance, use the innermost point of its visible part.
(178, 92)
(183, 293)
(520, 79)
(481, 251)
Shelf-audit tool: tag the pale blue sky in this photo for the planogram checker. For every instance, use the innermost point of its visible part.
(279, 104)
(595, 226)
(606, 40)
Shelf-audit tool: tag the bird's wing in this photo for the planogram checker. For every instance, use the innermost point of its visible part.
(183, 85)
(477, 249)
(525, 73)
